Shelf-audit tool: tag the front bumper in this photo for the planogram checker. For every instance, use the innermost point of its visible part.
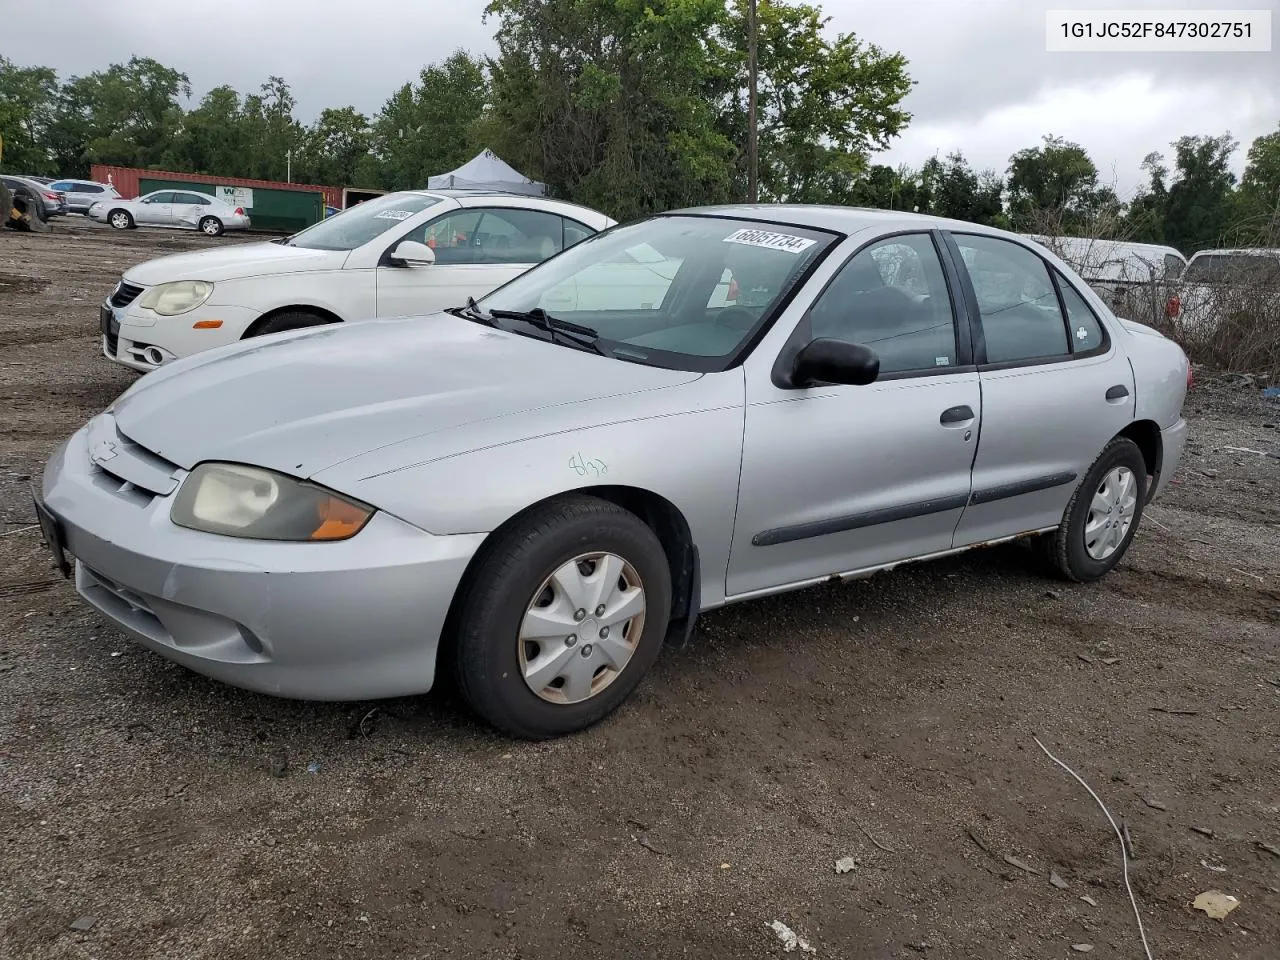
(351, 620)
(144, 341)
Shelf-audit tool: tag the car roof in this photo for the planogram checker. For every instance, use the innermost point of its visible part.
(839, 218)
(1238, 251)
(455, 193)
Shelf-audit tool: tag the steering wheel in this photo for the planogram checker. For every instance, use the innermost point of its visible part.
(737, 318)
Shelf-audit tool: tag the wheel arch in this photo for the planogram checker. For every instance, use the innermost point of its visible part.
(1146, 434)
(658, 513)
(328, 316)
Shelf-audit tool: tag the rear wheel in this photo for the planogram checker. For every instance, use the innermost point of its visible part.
(120, 219)
(211, 226)
(1103, 516)
(280, 322)
(562, 617)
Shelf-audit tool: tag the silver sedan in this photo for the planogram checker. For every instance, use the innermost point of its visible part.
(537, 490)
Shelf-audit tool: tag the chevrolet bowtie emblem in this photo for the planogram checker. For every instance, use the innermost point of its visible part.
(103, 450)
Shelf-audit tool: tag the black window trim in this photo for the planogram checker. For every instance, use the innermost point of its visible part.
(962, 329)
(980, 344)
(1104, 346)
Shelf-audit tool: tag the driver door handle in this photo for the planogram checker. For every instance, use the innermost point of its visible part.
(955, 416)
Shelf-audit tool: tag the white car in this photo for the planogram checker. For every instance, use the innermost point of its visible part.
(1218, 282)
(414, 252)
(178, 209)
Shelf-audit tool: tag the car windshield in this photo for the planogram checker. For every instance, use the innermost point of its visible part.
(685, 292)
(1233, 268)
(356, 226)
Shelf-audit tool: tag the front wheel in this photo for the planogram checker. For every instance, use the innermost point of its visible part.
(120, 219)
(211, 226)
(1103, 515)
(562, 617)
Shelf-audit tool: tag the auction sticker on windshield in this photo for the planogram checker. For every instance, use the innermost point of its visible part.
(770, 240)
(394, 215)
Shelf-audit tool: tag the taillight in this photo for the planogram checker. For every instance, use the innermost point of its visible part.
(239, 211)
(1191, 379)
(52, 196)
(1173, 307)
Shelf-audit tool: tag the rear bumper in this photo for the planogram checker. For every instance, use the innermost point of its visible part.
(1172, 442)
(353, 620)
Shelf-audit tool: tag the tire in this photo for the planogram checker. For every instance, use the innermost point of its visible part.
(280, 322)
(211, 226)
(6, 204)
(1076, 551)
(121, 219)
(514, 574)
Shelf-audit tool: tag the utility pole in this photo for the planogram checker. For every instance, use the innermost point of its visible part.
(288, 165)
(753, 154)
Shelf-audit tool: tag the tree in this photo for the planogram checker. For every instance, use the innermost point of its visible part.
(270, 135)
(128, 114)
(1144, 221)
(955, 189)
(27, 102)
(1199, 207)
(430, 128)
(211, 139)
(335, 149)
(825, 103)
(1058, 180)
(1256, 206)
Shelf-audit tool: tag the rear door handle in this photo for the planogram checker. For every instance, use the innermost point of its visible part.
(953, 416)
(1118, 392)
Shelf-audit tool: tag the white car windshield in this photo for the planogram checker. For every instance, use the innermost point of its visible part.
(356, 226)
(687, 292)
(1234, 268)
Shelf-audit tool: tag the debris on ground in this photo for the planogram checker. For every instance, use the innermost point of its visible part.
(1090, 901)
(1209, 866)
(1268, 848)
(83, 924)
(789, 939)
(846, 865)
(1021, 865)
(1203, 831)
(1082, 947)
(313, 766)
(1057, 881)
(1215, 903)
(1154, 804)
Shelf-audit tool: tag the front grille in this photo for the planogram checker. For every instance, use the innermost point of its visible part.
(125, 294)
(113, 342)
(126, 468)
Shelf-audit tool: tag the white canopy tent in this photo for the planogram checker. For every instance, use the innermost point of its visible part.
(486, 171)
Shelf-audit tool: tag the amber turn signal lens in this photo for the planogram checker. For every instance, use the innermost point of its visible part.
(206, 325)
(339, 519)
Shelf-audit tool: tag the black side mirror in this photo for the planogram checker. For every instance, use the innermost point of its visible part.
(834, 361)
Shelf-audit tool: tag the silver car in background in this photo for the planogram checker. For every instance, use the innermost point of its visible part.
(82, 194)
(177, 209)
(725, 403)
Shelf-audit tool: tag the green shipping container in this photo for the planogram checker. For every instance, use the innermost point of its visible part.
(286, 211)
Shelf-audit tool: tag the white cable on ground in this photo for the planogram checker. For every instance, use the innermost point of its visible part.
(1124, 857)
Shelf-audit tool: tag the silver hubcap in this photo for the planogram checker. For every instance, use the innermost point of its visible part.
(210, 228)
(120, 220)
(581, 628)
(1111, 513)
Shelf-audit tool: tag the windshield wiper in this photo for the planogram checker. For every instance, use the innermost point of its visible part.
(472, 311)
(574, 334)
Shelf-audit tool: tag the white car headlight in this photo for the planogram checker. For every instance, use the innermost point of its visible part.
(171, 299)
(240, 501)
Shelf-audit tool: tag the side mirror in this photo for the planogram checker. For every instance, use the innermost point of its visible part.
(413, 254)
(834, 361)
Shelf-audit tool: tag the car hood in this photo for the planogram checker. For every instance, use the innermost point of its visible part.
(234, 260)
(302, 402)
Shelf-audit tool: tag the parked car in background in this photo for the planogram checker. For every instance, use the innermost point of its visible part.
(45, 180)
(402, 253)
(176, 209)
(82, 194)
(1133, 278)
(48, 203)
(1220, 281)
(550, 496)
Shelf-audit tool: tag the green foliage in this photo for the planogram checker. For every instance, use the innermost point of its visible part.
(1057, 180)
(1198, 212)
(28, 97)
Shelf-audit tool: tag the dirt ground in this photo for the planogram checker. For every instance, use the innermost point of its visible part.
(890, 721)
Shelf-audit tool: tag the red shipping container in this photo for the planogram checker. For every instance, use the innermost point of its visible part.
(125, 180)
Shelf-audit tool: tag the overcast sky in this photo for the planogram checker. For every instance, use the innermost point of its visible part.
(985, 84)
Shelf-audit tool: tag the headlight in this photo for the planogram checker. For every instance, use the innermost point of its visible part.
(240, 501)
(171, 299)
